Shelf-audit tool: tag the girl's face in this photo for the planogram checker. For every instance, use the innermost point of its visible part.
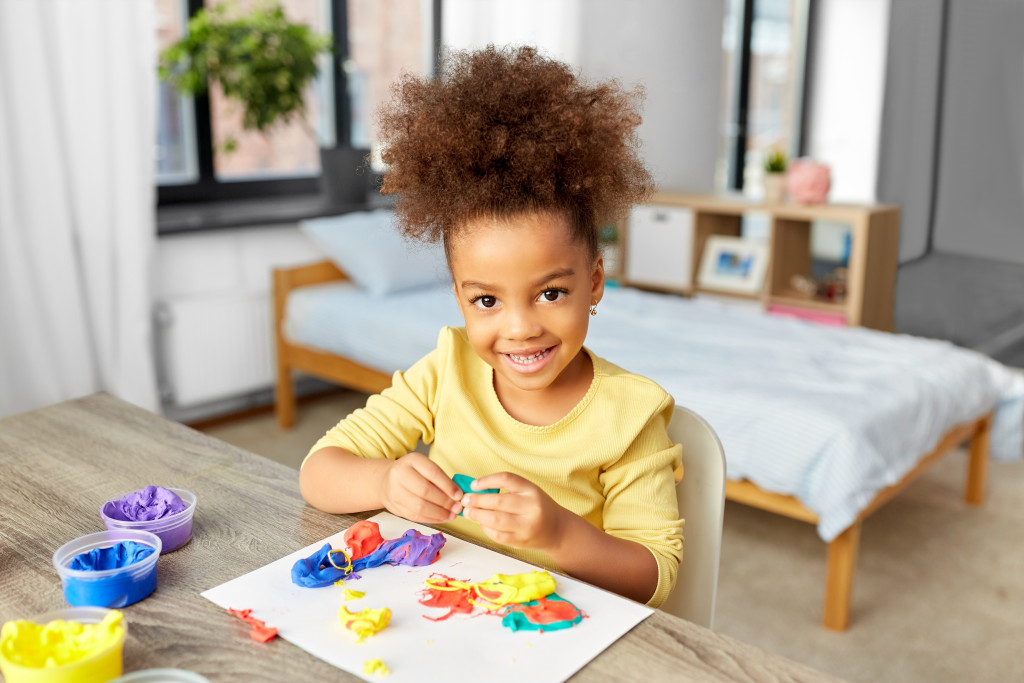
(525, 289)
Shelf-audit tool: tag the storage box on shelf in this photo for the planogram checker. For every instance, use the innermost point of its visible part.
(689, 220)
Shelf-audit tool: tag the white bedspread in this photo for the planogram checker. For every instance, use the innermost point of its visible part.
(829, 415)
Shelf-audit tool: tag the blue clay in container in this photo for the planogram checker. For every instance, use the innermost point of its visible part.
(117, 587)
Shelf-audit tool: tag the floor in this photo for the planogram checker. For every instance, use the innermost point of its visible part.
(939, 591)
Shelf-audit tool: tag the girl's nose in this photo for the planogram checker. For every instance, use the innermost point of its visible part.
(521, 323)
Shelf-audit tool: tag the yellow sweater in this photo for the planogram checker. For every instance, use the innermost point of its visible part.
(609, 460)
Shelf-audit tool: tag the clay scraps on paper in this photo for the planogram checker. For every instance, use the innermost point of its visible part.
(524, 601)
(376, 666)
(260, 631)
(365, 622)
(328, 565)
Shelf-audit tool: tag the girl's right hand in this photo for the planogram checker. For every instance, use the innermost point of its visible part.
(417, 489)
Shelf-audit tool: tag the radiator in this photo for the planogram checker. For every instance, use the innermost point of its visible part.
(212, 348)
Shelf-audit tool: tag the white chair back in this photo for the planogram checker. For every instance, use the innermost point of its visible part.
(701, 496)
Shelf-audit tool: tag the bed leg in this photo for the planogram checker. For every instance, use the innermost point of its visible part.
(842, 562)
(977, 463)
(284, 398)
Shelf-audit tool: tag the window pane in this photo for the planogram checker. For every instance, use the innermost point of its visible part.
(175, 144)
(385, 40)
(776, 70)
(288, 150)
(732, 34)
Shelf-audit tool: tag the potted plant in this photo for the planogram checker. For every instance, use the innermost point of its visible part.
(775, 177)
(265, 63)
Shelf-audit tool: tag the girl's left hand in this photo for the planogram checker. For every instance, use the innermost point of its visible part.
(522, 516)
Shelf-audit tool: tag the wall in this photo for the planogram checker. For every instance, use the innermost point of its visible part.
(213, 303)
(673, 48)
(845, 93)
(907, 155)
(980, 201)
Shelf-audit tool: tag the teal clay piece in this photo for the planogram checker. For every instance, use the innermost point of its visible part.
(463, 481)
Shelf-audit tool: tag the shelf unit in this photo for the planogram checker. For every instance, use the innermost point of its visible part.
(871, 270)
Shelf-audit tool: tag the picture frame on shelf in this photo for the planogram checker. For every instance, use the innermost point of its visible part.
(734, 265)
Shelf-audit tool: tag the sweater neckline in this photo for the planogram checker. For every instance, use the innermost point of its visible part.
(565, 419)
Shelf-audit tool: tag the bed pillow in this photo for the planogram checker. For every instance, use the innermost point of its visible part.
(371, 251)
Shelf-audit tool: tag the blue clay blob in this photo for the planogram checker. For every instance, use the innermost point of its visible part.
(116, 556)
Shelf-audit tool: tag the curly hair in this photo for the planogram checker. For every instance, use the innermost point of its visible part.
(505, 131)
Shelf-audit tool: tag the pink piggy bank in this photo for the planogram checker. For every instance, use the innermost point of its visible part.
(808, 182)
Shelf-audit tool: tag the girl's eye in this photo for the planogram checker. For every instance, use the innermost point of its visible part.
(484, 301)
(552, 294)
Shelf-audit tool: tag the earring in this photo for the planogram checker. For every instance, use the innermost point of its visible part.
(593, 310)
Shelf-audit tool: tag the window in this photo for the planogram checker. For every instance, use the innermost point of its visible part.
(374, 43)
(764, 47)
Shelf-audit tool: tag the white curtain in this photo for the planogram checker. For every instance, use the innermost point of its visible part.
(77, 217)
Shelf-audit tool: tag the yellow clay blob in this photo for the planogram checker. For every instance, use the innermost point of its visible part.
(519, 588)
(376, 666)
(58, 642)
(365, 623)
(350, 594)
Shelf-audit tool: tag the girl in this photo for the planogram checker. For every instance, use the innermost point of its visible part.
(514, 162)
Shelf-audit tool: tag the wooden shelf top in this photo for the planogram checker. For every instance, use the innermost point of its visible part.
(738, 204)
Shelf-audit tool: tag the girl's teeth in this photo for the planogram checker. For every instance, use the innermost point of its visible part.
(528, 359)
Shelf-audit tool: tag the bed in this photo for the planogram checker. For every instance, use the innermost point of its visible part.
(820, 424)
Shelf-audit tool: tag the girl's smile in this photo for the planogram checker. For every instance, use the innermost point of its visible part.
(525, 288)
(527, 361)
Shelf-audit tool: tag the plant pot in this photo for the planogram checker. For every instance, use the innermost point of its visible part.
(345, 174)
(774, 188)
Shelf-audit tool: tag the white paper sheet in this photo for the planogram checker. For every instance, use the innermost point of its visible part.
(461, 648)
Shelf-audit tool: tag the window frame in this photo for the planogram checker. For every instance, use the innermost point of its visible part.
(739, 118)
(207, 188)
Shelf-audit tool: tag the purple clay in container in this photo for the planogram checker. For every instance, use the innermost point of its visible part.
(166, 512)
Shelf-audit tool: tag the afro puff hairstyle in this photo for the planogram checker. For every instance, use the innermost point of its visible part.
(505, 131)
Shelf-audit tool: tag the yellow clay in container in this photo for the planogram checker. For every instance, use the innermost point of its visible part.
(77, 645)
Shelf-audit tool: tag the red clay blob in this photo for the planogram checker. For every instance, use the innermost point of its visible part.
(362, 538)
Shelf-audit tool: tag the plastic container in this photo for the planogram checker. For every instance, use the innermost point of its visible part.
(107, 587)
(163, 676)
(101, 665)
(174, 531)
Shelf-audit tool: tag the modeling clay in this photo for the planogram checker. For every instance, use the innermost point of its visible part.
(366, 622)
(504, 589)
(350, 594)
(376, 666)
(319, 569)
(59, 642)
(493, 594)
(116, 556)
(260, 631)
(552, 613)
(445, 592)
(412, 549)
(362, 538)
(327, 565)
(152, 502)
(464, 481)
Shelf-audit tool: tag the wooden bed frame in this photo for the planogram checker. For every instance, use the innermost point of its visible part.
(842, 551)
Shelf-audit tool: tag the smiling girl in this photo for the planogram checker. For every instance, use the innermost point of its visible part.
(513, 162)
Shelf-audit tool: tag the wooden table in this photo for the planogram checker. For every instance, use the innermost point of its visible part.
(59, 464)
